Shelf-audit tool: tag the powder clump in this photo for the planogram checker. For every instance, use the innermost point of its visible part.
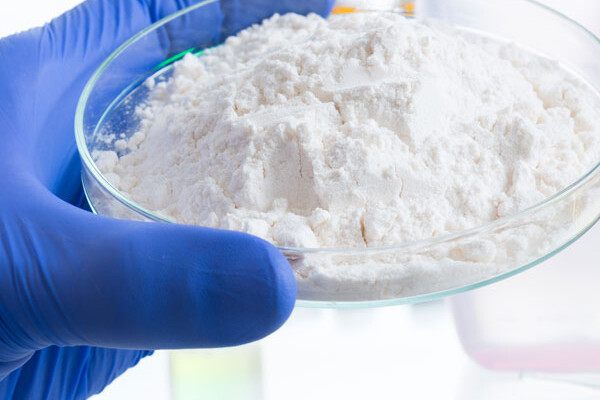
(357, 130)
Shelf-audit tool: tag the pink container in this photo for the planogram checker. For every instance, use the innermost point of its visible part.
(545, 319)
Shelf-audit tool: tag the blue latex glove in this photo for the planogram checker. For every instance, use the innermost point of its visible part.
(74, 287)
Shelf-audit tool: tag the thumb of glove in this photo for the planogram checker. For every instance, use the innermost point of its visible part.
(134, 285)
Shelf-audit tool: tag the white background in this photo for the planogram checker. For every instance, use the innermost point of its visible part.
(455, 373)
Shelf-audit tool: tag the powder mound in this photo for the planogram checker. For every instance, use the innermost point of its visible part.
(357, 130)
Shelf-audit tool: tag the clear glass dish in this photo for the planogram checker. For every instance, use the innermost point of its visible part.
(109, 99)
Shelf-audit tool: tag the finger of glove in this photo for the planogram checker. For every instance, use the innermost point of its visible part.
(241, 14)
(74, 278)
(187, 31)
(68, 373)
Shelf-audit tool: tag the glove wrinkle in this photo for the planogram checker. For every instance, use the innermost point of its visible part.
(23, 277)
(10, 372)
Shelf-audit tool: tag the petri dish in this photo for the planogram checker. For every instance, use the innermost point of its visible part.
(106, 113)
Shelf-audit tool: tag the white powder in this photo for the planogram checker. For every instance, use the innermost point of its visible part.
(360, 130)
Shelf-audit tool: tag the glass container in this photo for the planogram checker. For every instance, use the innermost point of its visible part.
(403, 273)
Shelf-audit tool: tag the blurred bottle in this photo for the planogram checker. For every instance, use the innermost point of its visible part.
(225, 374)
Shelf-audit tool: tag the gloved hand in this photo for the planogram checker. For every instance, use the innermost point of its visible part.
(75, 287)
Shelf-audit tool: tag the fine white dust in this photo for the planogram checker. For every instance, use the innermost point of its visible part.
(356, 131)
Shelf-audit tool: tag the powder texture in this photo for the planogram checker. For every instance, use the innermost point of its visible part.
(357, 131)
